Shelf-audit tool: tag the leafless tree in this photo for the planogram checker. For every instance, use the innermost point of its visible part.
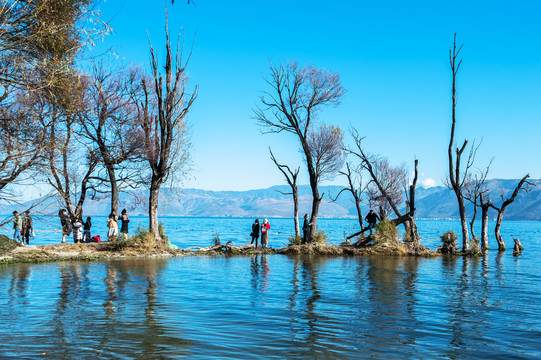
(484, 203)
(474, 191)
(71, 160)
(298, 95)
(291, 179)
(162, 113)
(22, 141)
(457, 175)
(523, 184)
(387, 185)
(355, 187)
(111, 123)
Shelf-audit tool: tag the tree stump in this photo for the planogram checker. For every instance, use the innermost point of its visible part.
(518, 248)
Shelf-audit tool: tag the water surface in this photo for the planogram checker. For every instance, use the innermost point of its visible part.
(275, 306)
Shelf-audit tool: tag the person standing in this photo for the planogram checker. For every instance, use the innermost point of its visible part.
(306, 227)
(86, 227)
(113, 226)
(66, 224)
(265, 233)
(371, 218)
(78, 230)
(255, 232)
(17, 227)
(125, 220)
(28, 227)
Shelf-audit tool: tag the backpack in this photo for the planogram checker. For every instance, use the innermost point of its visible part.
(95, 238)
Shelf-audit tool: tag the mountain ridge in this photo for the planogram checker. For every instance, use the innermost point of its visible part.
(431, 203)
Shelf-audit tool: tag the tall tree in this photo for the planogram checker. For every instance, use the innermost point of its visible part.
(291, 179)
(111, 123)
(162, 113)
(39, 41)
(298, 94)
(456, 179)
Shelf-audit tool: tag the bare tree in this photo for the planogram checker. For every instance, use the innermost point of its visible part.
(162, 114)
(291, 179)
(298, 95)
(456, 178)
(484, 203)
(111, 124)
(22, 141)
(523, 184)
(474, 190)
(386, 185)
(355, 187)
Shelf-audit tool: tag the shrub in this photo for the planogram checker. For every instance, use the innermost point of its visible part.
(475, 249)
(319, 238)
(216, 239)
(345, 243)
(449, 243)
(7, 244)
(294, 240)
(386, 233)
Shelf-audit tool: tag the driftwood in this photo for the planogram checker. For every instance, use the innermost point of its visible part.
(518, 248)
(227, 247)
(363, 241)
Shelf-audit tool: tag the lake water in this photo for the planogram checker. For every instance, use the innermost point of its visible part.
(275, 306)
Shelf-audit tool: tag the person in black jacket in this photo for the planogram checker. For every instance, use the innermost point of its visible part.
(255, 232)
(87, 226)
(306, 227)
(371, 218)
(125, 221)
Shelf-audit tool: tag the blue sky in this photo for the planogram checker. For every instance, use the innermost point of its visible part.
(392, 57)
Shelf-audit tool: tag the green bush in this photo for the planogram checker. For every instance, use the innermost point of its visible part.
(319, 238)
(294, 240)
(448, 243)
(7, 244)
(386, 233)
(216, 239)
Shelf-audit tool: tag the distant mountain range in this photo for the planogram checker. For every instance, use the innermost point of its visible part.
(433, 203)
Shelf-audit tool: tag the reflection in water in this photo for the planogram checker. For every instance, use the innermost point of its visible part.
(306, 307)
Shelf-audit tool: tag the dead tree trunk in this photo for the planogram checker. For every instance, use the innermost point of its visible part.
(455, 179)
(518, 248)
(522, 185)
(412, 226)
(291, 178)
(485, 206)
(355, 191)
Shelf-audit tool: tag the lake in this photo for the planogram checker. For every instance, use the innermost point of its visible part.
(275, 306)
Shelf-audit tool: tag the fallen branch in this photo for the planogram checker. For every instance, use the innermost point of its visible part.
(227, 247)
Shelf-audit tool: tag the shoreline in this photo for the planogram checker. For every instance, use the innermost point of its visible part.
(111, 250)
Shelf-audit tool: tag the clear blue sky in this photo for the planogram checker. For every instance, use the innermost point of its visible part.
(392, 57)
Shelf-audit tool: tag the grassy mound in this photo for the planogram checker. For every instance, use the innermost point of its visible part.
(141, 243)
(7, 244)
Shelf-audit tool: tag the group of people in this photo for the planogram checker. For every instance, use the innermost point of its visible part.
(371, 218)
(82, 230)
(264, 229)
(23, 227)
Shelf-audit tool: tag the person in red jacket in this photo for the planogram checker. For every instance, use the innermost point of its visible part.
(265, 233)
